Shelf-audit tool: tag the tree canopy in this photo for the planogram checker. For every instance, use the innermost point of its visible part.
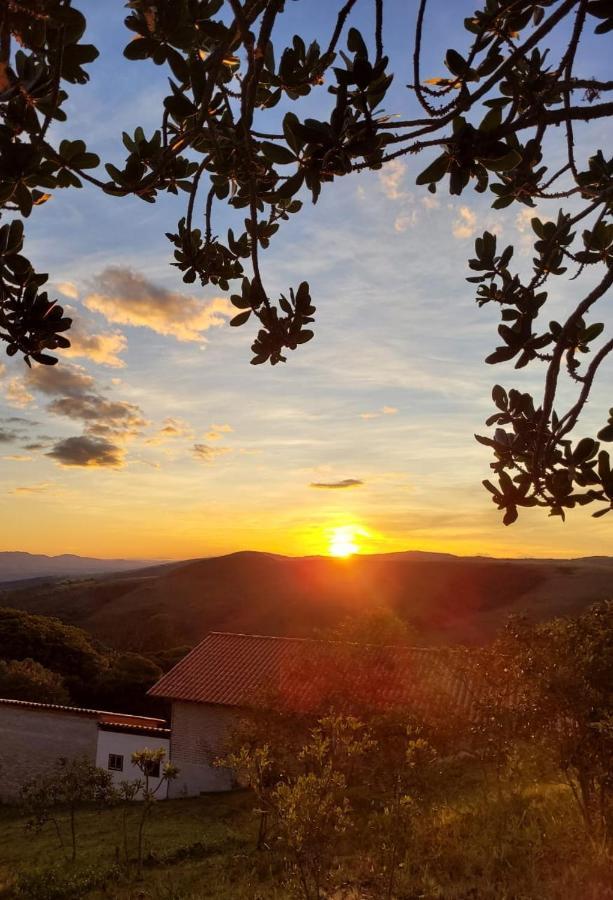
(486, 124)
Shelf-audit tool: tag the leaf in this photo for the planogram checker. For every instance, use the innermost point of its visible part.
(586, 448)
(456, 63)
(593, 331)
(435, 171)
(510, 515)
(355, 43)
(503, 163)
(277, 153)
(291, 128)
(240, 319)
(291, 186)
(606, 433)
(499, 396)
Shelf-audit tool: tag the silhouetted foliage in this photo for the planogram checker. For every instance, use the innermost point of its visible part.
(563, 676)
(25, 679)
(488, 122)
(44, 660)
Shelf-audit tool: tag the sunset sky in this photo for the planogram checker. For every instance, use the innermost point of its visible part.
(368, 428)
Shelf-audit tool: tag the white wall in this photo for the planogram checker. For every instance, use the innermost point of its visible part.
(125, 744)
(199, 733)
(32, 740)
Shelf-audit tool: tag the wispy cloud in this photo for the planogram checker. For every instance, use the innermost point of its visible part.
(102, 347)
(391, 179)
(105, 421)
(336, 485)
(17, 395)
(68, 289)
(206, 453)
(217, 432)
(465, 225)
(70, 380)
(171, 429)
(128, 298)
(384, 411)
(43, 487)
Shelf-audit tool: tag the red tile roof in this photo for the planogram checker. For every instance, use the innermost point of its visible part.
(111, 718)
(249, 670)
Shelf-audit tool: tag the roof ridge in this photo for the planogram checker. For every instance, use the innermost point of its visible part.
(83, 710)
(321, 640)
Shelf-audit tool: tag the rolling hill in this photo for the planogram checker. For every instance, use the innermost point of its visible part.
(18, 566)
(445, 599)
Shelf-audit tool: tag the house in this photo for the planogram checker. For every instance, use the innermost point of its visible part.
(36, 735)
(227, 674)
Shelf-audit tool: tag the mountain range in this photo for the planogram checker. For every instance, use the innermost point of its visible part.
(18, 566)
(443, 598)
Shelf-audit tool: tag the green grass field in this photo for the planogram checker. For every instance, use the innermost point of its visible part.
(528, 846)
(223, 824)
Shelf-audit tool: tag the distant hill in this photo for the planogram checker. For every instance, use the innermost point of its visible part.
(445, 599)
(17, 566)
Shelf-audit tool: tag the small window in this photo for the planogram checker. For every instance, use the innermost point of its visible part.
(115, 762)
(152, 769)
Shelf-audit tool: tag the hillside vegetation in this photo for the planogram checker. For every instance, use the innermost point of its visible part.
(444, 599)
(44, 660)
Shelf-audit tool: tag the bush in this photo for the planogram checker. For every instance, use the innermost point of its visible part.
(56, 884)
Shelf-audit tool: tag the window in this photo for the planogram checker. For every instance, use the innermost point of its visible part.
(115, 762)
(152, 769)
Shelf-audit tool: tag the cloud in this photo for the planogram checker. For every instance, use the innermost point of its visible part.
(76, 396)
(171, 429)
(127, 298)
(384, 411)
(391, 177)
(70, 380)
(88, 452)
(466, 223)
(35, 445)
(42, 487)
(68, 289)
(102, 417)
(17, 394)
(336, 485)
(102, 348)
(217, 432)
(7, 436)
(208, 454)
(17, 457)
(405, 221)
(430, 202)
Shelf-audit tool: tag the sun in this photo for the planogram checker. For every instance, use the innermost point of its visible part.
(342, 542)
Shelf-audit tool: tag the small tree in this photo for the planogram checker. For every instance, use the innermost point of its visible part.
(50, 798)
(308, 803)
(149, 762)
(564, 676)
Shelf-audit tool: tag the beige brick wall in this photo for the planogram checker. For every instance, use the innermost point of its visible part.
(32, 740)
(199, 731)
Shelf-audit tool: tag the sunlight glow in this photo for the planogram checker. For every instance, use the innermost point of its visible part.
(342, 541)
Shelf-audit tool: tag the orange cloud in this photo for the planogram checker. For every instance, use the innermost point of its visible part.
(127, 298)
(103, 348)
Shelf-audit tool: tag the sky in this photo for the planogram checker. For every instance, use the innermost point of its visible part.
(155, 438)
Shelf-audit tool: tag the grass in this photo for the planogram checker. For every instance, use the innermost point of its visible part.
(520, 846)
(222, 826)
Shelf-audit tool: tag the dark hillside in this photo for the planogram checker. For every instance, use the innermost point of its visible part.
(444, 598)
